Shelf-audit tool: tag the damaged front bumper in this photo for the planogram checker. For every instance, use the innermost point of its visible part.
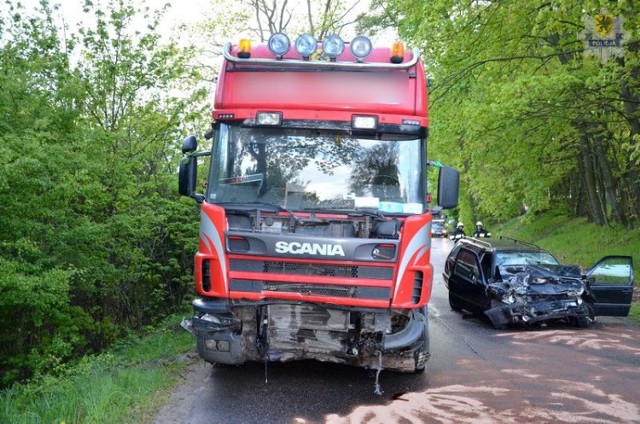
(535, 312)
(239, 333)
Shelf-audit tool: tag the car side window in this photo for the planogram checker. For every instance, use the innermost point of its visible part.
(451, 258)
(467, 266)
(612, 271)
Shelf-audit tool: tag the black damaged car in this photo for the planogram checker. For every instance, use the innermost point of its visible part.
(513, 282)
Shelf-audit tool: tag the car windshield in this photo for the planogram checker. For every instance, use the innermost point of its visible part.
(438, 225)
(527, 257)
(315, 169)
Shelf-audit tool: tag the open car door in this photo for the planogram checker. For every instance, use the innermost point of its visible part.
(611, 281)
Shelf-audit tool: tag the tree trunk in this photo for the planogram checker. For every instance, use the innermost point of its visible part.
(608, 183)
(586, 163)
(632, 187)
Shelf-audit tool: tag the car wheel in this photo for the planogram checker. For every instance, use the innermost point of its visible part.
(453, 304)
(588, 320)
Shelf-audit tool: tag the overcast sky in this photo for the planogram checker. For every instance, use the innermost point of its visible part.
(181, 11)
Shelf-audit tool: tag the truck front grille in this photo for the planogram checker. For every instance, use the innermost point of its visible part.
(302, 268)
(329, 290)
(274, 278)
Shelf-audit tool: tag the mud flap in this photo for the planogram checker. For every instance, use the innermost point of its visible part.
(408, 350)
(409, 336)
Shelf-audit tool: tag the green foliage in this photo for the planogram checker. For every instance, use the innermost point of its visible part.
(93, 238)
(574, 239)
(121, 385)
(634, 313)
(524, 115)
(41, 329)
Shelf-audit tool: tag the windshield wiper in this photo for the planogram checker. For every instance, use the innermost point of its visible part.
(258, 203)
(349, 212)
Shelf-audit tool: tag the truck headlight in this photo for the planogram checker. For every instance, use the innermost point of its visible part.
(364, 122)
(269, 118)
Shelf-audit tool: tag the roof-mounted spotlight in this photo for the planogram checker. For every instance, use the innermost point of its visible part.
(279, 44)
(333, 46)
(360, 47)
(306, 45)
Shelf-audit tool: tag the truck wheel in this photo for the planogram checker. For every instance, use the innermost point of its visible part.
(453, 304)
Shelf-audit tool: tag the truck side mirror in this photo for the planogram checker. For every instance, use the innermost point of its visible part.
(188, 171)
(188, 175)
(448, 184)
(190, 144)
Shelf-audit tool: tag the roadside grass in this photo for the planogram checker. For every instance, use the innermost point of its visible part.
(575, 241)
(124, 385)
(634, 313)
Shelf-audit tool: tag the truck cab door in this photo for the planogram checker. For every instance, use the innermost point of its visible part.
(611, 280)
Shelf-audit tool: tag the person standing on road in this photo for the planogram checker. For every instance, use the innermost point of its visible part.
(480, 231)
(458, 233)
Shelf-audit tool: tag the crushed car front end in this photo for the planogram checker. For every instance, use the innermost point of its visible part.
(538, 295)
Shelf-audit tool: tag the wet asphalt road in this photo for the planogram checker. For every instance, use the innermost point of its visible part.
(476, 374)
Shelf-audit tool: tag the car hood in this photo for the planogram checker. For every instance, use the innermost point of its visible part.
(541, 279)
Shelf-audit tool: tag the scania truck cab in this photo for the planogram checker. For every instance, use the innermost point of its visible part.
(315, 230)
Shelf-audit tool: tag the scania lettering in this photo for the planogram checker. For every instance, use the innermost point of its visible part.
(309, 248)
(314, 226)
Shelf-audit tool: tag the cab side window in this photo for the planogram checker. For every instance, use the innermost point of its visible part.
(467, 266)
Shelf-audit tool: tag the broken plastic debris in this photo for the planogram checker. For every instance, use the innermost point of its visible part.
(186, 324)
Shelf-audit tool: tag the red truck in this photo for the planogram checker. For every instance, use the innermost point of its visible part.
(315, 230)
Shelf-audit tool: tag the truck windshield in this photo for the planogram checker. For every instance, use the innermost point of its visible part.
(314, 169)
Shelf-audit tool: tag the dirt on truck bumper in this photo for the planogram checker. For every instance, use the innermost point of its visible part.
(239, 333)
